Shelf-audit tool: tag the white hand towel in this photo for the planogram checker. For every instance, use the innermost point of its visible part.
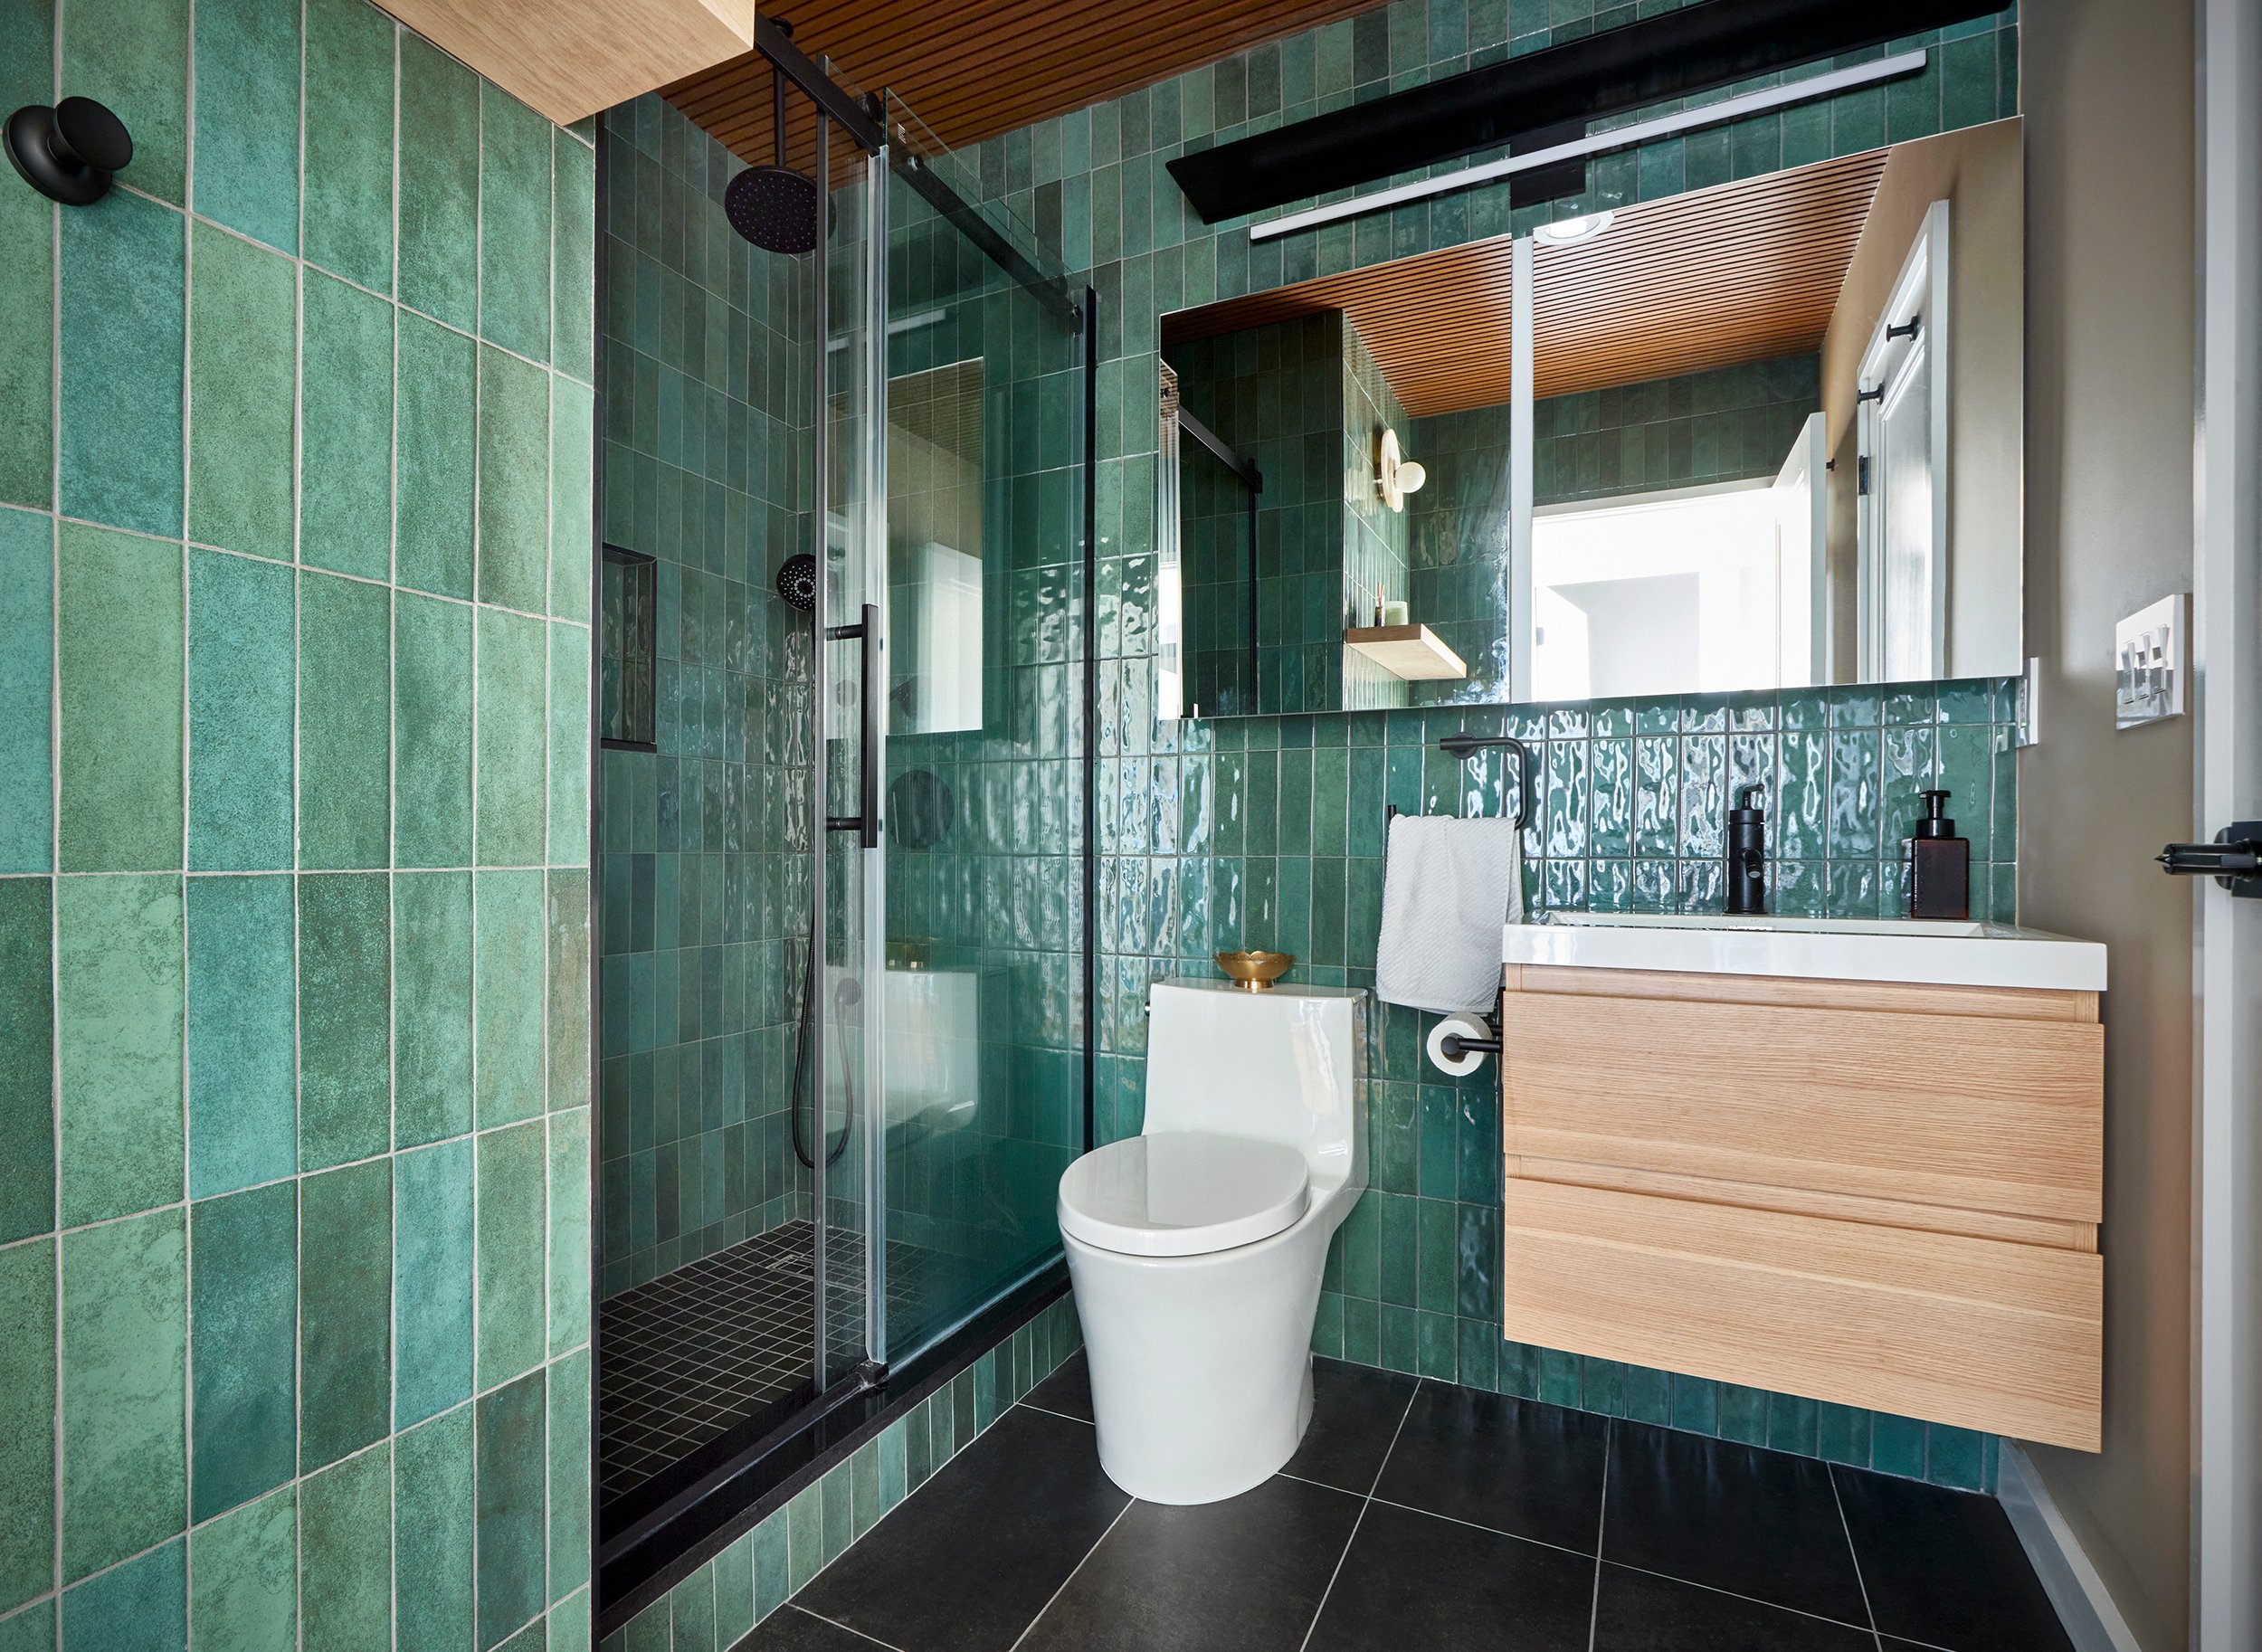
(1449, 886)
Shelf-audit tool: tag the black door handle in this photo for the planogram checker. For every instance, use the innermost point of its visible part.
(865, 823)
(2234, 860)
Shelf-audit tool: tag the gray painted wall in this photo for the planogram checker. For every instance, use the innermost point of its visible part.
(2109, 94)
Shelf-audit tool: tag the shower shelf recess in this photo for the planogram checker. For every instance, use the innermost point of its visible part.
(1413, 652)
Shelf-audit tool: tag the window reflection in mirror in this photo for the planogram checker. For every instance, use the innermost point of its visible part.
(1774, 437)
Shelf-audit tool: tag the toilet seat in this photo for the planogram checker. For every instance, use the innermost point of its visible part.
(1183, 1193)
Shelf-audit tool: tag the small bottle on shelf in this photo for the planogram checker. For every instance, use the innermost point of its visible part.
(1939, 864)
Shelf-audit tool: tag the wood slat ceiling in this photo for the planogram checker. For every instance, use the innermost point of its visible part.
(1736, 273)
(982, 67)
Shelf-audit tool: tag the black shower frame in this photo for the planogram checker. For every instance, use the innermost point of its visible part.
(703, 1514)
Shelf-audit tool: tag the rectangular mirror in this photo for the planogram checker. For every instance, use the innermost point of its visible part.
(1766, 434)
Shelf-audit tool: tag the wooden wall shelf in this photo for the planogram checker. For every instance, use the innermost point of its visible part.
(1413, 652)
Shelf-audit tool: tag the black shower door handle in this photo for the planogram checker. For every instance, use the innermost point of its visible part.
(865, 823)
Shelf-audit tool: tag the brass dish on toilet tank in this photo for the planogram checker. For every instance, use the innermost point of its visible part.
(1255, 972)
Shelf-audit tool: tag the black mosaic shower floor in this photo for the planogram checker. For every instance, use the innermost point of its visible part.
(693, 1355)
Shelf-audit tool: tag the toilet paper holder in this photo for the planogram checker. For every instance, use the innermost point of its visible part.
(1456, 1045)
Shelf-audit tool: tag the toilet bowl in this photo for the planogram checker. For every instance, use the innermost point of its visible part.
(1196, 1247)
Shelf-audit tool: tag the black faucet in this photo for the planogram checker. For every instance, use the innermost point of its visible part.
(1748, 853)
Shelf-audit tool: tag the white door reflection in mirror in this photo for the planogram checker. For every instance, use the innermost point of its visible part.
(1902, 545)
(1802, 560)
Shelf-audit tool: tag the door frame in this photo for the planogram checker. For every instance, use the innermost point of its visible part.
(2227, 979)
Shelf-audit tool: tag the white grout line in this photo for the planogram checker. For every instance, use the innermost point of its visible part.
(837, 1624)
(1829, 1473)
(1602, 1524)
(1029, 1629)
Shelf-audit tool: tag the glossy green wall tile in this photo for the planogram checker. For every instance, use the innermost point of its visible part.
(514, 225)
(512, 1232)
(514, 442)
(511, 1528)
(228, 1011)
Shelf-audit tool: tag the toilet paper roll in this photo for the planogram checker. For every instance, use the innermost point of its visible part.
(1467, 1027)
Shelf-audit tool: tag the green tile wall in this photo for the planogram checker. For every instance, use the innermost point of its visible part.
(704, 874)
(293, 1015)
(759, 1571)
(1268, 831)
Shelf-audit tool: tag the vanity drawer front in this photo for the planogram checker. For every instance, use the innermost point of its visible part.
(1853, 1092)
(1982, 1333)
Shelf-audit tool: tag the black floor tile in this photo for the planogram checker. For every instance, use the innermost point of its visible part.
(1176, 1579)
(1517, 1465)
(1356, 1412)
(1410, 1581)
(970, 1560)
(1638, 1612)
(790, 1629)
(1068, 1391)
(1945, 1567)
(1735, 1517)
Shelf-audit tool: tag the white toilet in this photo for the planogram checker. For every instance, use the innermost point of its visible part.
(1196, 1247)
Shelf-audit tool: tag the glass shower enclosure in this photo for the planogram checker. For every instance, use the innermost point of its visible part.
(845, 880)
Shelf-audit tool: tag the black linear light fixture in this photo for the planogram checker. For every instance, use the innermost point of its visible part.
(1542, 100)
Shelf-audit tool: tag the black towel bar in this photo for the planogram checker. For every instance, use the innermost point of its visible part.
(1465, 746)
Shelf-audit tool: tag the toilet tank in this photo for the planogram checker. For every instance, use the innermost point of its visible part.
(1286, 1065)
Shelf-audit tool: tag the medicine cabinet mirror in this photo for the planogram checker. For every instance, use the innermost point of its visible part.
(1768, 435)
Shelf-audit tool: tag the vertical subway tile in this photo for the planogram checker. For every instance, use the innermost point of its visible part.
(242, 619)
(345, 1311)
(572, 1416)
(432, 732)
(133, 57)
(118, 663)
(511, 1236)
(247, 118)
(574, 255)
(431, 1006)
(568, 978)
(511, 1524)
(243, 1363)
(244, 1570)
(514, 474)
(124, 1389)
(509, 957)
(345, 1015)
(27, 1422)
(439, 184)
(433, 466)
(27, 655)
(346, 436)
(569, 746)
(346, 1555)
(572, 463)
(349, 226)
(140, 1607)
(569, 1230)
(124, 307)
(27, 290)
(242, 1022)
(433, 1576)
(242, 368)
(512, 739)
(514, 238)
(432, 1285)
(345, 722)
(27, 1010)
(117, 1030)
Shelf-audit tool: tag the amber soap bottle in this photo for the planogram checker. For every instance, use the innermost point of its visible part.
(1939, 864)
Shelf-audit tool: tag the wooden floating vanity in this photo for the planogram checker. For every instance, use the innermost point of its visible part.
(1859, 1164)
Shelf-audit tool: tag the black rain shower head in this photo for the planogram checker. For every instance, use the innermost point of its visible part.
(775, 208)
(797, 581)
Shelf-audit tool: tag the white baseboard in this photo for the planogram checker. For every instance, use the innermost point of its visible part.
(2069, 1576)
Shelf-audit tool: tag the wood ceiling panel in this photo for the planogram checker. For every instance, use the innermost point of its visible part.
(1733, 273)
(976, 69)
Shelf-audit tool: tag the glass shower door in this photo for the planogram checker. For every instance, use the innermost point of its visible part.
(984, 691)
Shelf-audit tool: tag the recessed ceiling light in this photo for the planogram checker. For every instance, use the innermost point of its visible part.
(1570, 232)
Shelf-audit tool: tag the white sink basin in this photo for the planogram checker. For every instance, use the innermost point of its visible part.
(1923, 950)
(1768, 922)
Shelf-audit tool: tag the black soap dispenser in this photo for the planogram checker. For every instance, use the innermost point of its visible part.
(1939, 864)
(1747, 854)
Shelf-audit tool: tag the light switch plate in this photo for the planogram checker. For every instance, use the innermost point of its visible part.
(2148, 663)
